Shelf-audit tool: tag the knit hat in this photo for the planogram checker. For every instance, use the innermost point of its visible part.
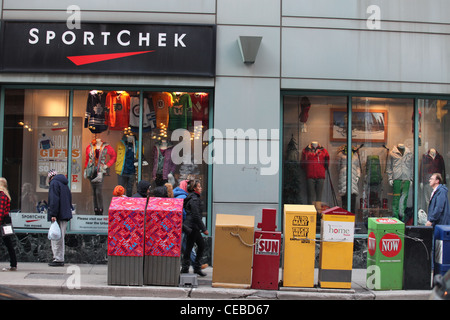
(119, 191)
(183, 185)
(51, 173)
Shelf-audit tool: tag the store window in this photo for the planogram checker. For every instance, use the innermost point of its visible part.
(315, 165)
(35, 141)
(383, 138)
(434, 147)
(310, 164)
(112, 144)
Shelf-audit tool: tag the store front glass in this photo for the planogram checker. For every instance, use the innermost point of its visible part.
(383, 148)
(434, 147)
(315, 153)
(117, 139)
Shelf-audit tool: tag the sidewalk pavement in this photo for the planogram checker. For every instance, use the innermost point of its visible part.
(39, 278)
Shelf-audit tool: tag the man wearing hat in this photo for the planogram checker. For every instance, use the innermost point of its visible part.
(59, 210)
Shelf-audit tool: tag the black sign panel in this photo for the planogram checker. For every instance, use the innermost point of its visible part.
(148, 49)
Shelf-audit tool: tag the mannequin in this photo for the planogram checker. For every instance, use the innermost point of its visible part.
(127, 155)
(314, 162)
(342, 171)
(432, 162)
(162, 162)
(400, 171)
(96, 166)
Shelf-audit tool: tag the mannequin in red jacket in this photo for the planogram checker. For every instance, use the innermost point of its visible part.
(314, 162)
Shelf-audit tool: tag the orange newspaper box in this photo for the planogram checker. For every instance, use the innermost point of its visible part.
(233, 249)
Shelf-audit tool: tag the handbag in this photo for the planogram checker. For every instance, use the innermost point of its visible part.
(7, 230)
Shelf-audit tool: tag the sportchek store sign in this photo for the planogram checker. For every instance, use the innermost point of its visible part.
(151, 49)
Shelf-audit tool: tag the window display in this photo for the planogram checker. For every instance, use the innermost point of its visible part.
(315, 164)
(107, 148)
(434, 147)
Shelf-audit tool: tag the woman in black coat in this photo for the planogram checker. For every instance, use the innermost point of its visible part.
(193, 222)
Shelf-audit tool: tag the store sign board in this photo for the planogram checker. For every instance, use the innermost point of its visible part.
(147, 49)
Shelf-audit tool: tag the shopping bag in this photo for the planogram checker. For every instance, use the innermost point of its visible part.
(54, 233)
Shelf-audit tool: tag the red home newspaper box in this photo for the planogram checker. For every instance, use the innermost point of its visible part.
(266, 254)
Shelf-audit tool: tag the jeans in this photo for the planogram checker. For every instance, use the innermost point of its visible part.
(127, 181)
(98, 197)
(194, 237)
(314, 189)
(58, 245)
(400, 198)
(12, 253)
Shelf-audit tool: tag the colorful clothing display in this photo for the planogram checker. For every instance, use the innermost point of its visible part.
(95, 116)
(162, 162)
(200, 107)
(162, 101)
(180, 114)
(315, 161)
(118, 106)
(148, 120)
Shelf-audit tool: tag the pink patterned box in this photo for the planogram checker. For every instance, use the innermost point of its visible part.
(126, 227)
(163, 227)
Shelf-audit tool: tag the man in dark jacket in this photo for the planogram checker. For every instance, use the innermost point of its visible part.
(438, 209)
(59, 210)
(193, 221)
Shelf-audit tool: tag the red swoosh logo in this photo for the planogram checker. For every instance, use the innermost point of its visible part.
(93, 58)
(28, 221)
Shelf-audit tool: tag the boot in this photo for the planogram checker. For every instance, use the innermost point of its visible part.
(185, 265)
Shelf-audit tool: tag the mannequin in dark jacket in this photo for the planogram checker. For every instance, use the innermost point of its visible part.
(59, 210)
(193, 207)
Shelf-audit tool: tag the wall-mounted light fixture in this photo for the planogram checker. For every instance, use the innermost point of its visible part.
(249, 46)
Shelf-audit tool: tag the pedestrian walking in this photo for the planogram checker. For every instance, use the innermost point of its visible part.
(193, 221)
(142, 189)
(438, 209)
(59, 210)
(5, 205)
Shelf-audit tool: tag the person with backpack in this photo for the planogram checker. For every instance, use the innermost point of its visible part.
(192, 206)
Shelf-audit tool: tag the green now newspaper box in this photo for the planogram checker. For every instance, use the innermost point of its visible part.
(385, 245)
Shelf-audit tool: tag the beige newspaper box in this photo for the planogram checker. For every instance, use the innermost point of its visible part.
(233, 251)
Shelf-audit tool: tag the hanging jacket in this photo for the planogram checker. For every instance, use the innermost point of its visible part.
(315, 162)
(118, 106)
(400, 166)
(430, 166)
(96, 159)
(95, 116)
(342, 171)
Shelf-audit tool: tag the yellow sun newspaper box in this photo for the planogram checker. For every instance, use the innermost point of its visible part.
(233, 251)
(336, 248)
(299, 245)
